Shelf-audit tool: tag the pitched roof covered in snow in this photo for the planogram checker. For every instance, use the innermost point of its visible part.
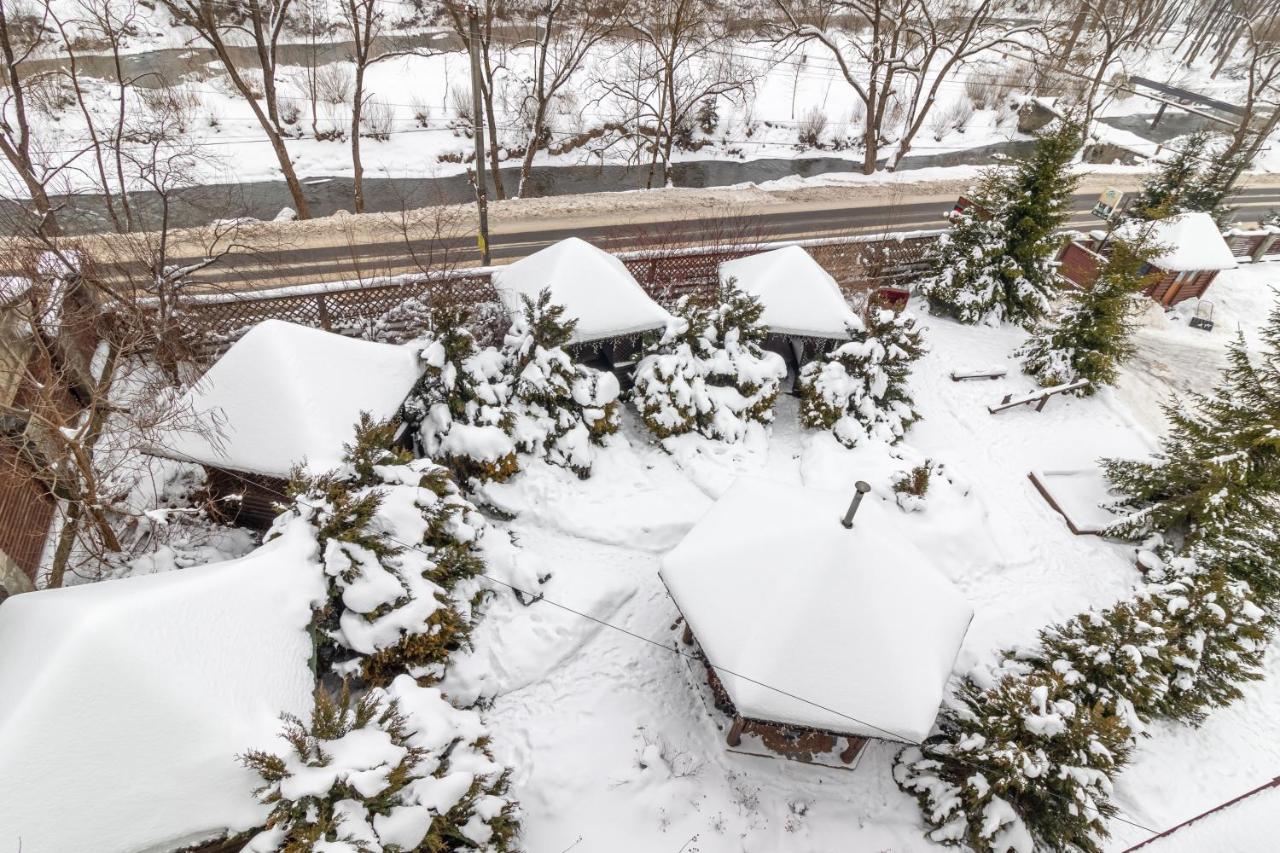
(799, 296)
(776, 590)
(285, 394)
(127, 701)
(1192, 240)
(593, 286)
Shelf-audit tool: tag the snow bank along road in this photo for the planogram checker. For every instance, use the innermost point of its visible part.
(348, 247)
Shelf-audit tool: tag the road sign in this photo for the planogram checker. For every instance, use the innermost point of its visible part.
(1107, 203)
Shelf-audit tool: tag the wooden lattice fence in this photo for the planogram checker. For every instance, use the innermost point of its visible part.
(396, 310)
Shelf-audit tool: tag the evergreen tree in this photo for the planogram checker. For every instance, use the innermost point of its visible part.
(561, 407)
(1162, 192)
(397, 541)
(1213, 188)
(1217, 638)
(1218, 468)
(859, 390)
(1090, 335)
(460, 407)
(1118, 656)
(1018, 765)
(997, 265)
(709, 372)
(365, 776)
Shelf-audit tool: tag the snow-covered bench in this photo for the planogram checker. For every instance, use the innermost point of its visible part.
(992, 372)
(1039, 396)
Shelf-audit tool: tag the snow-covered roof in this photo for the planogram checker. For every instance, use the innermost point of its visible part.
(799, 296)
(593, 286)
(776, 590)
(1193, 242)
(285, 394)
(126, 702)
(1249, 825)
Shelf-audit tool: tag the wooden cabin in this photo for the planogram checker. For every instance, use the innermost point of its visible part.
(804, 309)
(1193, 255)
(282, 396)
(780, 601)
(596, 290)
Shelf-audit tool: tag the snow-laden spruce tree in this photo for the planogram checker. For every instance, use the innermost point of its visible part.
(400, 549)
(1019, 764)
(1179, 647)
(1162, 193)
(859, 389)
(710, 373)
(460, 407)
(1218, 468)
(396, 770)
(996, 264)
(1217, 637)
(1090, 335)
(561, 407)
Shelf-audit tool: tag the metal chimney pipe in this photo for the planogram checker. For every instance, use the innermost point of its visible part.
(860, 488)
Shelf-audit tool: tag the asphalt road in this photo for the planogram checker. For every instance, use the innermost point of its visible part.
(334, 263)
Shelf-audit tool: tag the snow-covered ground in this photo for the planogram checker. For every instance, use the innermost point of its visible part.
(614, 745)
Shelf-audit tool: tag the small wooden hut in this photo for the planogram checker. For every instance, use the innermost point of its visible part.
(284, 395)
(595, 289)
(1194, 253)
(803, 307)
(815, 638)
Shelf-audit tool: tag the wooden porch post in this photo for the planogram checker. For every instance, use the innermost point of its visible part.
(735, 731)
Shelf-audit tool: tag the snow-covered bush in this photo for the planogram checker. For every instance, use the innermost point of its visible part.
(859, 389)
(397, 770)
(399, 544)
(460, 407)
(910, 487)
(560, 408)
(710, 373)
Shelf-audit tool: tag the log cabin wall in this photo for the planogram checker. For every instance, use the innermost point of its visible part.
(1175, 287)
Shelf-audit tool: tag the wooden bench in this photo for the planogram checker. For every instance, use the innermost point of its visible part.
(978, 373)
(1039, 397)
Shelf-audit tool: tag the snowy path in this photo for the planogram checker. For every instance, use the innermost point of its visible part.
(614, 747)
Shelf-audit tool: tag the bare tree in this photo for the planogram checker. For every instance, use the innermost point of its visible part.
(680, 58)
(21, 34)
(565, 31)
(311, 20)
(1261, 70)
(82, 406)
(492, 14)
(1115, 27)
(949, 33)
(873, 43)
(366, 19)
(262, 21)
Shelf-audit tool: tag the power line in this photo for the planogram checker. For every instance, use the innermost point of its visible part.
(672, 649)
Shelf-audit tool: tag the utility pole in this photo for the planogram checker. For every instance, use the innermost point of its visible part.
(477, 126)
